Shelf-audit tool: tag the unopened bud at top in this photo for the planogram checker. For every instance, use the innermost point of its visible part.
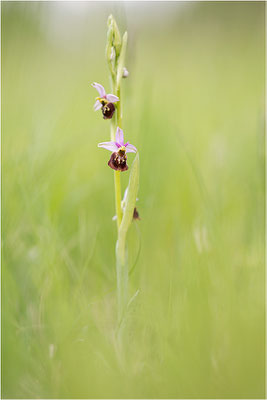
(114, 36)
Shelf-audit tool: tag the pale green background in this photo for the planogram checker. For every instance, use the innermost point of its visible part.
(194, 107)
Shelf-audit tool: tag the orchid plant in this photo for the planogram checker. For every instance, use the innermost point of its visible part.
(111, 106)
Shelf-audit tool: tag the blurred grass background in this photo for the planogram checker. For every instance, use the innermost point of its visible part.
(194, 107)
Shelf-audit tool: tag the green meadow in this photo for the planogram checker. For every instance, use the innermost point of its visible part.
(193, 105)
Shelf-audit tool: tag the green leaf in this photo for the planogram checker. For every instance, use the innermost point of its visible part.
(130, 200)
(121, 259)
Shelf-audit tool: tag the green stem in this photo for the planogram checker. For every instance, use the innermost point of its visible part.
(122, 278)
(119, 116)
(117, 176)
(113, 128)
(121, 264)
(117, 182)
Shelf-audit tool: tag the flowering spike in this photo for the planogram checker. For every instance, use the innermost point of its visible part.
(125, 211)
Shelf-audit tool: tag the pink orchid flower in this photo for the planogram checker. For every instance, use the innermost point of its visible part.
(115, 146)
(119, 149)
(105, 101)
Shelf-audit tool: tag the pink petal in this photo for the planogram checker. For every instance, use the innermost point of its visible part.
(119, 136)
(111, 146)
(97, 105)
(130, 148)
(100, 89)
(112, 98)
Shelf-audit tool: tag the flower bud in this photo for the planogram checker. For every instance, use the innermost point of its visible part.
(114, 36)
(125, 72)
(109, 43)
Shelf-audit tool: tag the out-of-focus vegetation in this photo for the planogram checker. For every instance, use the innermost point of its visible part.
(194, 107)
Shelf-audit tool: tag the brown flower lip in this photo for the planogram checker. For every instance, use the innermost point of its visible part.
(108, 110)
(118, 161)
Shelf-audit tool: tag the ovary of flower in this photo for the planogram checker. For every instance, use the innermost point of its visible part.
(119, 145)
